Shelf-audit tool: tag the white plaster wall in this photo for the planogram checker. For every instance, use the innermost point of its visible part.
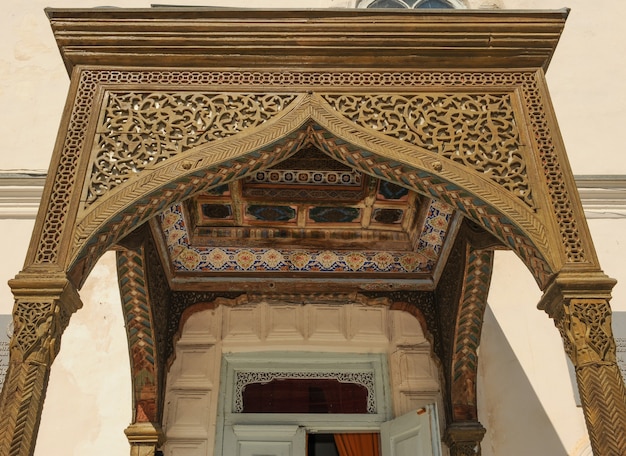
(88, 404)
(526, 397)
(34, 82)
(14, 239)
(526, 385)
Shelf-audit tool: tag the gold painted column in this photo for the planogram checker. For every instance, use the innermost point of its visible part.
(463, 438)
(579, 305)
(44, 302)
(144, 438)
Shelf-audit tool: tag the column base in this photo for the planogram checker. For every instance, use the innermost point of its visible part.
(144, 438)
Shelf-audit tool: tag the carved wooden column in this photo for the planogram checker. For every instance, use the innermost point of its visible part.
(144, 438)
(44, 302)
(463, 439)
(579, 305)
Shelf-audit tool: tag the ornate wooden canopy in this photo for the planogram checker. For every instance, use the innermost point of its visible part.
(229, 153)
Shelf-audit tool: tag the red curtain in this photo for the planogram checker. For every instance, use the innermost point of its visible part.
(358, 444)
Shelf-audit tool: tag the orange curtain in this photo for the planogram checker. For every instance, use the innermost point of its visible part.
(358, 444)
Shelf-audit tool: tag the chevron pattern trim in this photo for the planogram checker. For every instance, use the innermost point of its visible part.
(428, 184)
(25, 390)
(124, 220)
(139, 329)
(467, 338)
(603, 397)
(91, 79)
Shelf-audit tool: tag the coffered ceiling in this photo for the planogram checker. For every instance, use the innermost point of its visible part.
(308, 216)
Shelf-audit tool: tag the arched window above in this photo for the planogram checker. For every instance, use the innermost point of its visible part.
(410, 4)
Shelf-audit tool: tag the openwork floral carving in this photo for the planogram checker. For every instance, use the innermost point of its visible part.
(139, 129)
(476, 130)
(243, 378)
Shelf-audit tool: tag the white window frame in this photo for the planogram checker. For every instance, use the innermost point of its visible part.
(304, 362)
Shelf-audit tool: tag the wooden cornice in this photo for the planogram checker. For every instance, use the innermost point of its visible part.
(307, 39)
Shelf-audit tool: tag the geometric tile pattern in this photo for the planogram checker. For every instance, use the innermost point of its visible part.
(189, 258)
(428, 184)
(154, 203)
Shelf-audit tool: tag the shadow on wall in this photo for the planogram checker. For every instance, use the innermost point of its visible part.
(513, 415)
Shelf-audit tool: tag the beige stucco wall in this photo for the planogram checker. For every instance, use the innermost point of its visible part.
(326, 329)
(526, 391)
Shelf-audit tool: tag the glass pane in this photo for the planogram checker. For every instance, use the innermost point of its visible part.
(434, 4)
(387, 4)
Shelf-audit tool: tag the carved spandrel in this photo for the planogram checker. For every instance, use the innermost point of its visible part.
(138, 130)
(475, 130)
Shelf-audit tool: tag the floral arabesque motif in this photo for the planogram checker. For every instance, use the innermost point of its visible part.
(138, 130)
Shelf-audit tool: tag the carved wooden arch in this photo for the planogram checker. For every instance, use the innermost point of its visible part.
(310, 118)
(543, 223)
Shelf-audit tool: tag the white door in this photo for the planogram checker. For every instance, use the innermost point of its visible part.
(264, 440)
(413, 434)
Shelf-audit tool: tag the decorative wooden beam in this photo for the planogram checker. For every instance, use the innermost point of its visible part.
(360, 39)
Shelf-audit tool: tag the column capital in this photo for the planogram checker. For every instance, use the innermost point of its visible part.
(574, 284)
(578, 302)
(48, 281)
(463, 438)
(44, 301)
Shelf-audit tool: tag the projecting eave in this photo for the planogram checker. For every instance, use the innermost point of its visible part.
(316, 39)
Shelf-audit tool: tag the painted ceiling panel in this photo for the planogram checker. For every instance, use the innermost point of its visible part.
(308, 214)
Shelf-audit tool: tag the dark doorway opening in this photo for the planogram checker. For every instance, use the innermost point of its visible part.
(321, 445)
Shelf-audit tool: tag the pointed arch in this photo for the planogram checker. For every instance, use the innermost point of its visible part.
(308, 118)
